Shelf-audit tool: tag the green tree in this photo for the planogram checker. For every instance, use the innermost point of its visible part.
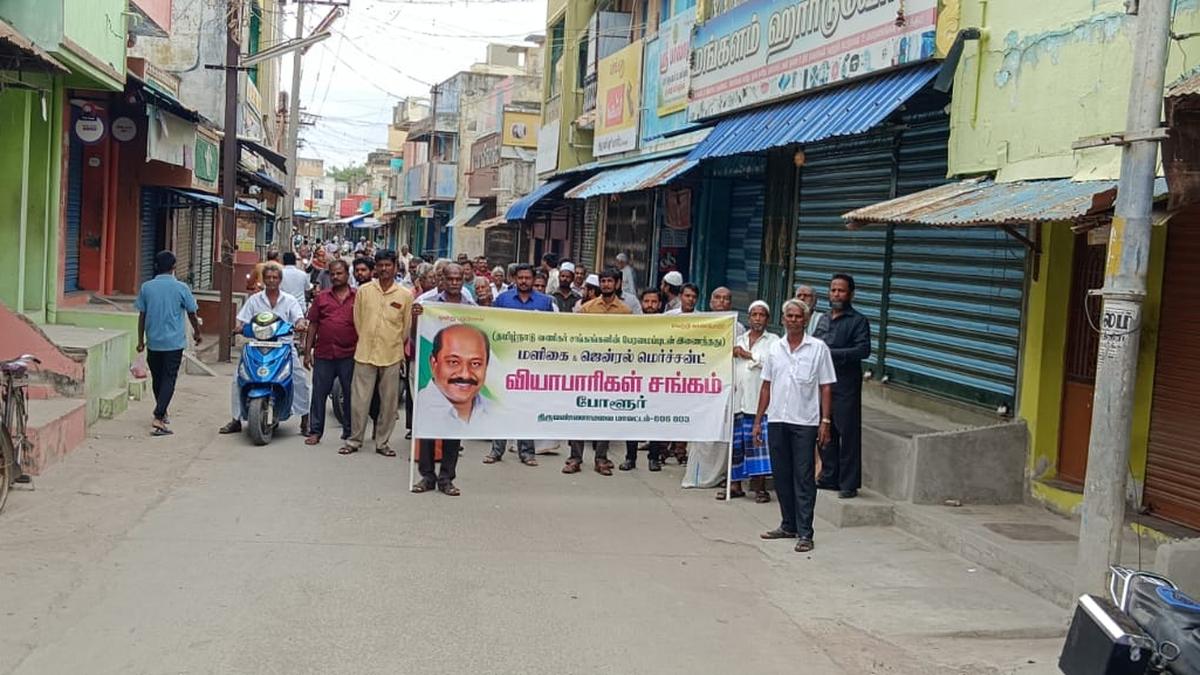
(351, 173)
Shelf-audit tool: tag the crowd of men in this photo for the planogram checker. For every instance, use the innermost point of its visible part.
(796, 401)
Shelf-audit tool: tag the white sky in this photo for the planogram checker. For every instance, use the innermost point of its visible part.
(382, 50)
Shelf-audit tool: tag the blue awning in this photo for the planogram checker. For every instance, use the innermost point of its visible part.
(842, 111)
(213, 199)
(631, 178)
(520, 208)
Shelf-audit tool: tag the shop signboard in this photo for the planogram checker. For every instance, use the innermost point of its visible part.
(207, 161)
(764, 51)
(520, 128)
(547, 147)
(619, 101)
(674, 62)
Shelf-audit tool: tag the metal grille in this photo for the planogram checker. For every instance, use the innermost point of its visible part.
(182, 242)
(1173, 460)
(149, 232)
(628, 228)
(591, 227)
(1082, 341)
(203, 231)
(838, 177)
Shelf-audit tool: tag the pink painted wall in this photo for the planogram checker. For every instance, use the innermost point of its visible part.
(22, 336)
(159, 12)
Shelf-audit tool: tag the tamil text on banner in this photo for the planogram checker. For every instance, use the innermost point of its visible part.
(763, 51)
(618, 101)
(505, 374)
(674, 61)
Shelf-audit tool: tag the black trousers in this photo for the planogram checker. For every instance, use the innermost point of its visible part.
(406, 398)
(450, 448)
(598, 447)
(325, 372)
(656, 450)
(792, 449)
(164, 370)
(841, 459)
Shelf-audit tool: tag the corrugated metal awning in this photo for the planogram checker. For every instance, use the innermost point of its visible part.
(354, 220)
(983, 202)
(26, 54)
(520, 208)
(842, 111)
(217, 201)
(631, 178)
(465, 216)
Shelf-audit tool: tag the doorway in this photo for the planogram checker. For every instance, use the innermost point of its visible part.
(1079, 376)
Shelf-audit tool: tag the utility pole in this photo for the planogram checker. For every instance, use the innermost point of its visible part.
(431, 179)
(283, 242)
(229, 165)
(1124, 291)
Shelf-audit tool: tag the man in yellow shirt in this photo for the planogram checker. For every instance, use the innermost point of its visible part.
(382, 318)
(608, 302)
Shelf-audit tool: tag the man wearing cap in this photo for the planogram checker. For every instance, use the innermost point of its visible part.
(564, 296)
(672, 287)
(591, 291)
(628, 276)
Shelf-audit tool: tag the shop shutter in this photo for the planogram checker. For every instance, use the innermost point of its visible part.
(204, 232)
(838, 177)
(742, 263)
(182, 241)
(1173, 461)
(954, 312)
(149, 233)
(74, 215)
(629, 228)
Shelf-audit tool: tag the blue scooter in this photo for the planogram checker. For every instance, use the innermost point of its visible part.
(264, 376)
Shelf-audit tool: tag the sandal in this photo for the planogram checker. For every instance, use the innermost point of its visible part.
(161, 431)
(529, 461)
(386, 452)
(571, 466)
(347, 450)
(491, 459)
(736, 494)
(762, 497)
(312, 440)
(422, 486)
(449, 490)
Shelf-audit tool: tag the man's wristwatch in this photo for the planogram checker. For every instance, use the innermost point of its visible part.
(826, 420)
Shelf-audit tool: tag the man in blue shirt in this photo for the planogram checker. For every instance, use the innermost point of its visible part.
(161, 304)
(521, 296)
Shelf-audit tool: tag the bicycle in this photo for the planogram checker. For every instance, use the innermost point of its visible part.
(14, 443)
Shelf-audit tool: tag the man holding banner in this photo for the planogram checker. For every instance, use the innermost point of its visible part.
(521, 297)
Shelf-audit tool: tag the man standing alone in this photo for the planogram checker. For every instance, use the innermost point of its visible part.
(329, 348)
(848, 335)
(795, 398)
(161, 304)
(382, 316)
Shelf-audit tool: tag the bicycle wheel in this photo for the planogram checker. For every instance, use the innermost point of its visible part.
(8, 466)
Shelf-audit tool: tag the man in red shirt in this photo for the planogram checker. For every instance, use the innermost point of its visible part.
(329, 348)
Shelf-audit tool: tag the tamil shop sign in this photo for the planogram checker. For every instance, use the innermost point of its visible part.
(771, 49)
(674, 61)
(619, 101)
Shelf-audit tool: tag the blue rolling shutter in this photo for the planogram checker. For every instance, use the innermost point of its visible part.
(742, 264)
(74, 215)
(838, 177)
(149, 233)
(956, 294)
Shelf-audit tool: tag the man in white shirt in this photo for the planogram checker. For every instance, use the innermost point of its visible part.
(296, 282)
(286, 307)
(797, 398)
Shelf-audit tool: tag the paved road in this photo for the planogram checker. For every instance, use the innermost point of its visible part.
(203, 554)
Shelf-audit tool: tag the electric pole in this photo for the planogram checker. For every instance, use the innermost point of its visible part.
(283, 241)
(229, 165)
(1124, 291)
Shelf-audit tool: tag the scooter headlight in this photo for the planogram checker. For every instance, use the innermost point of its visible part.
(264, 331)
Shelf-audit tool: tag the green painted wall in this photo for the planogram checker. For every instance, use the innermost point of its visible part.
(28, 197)
(1045, 75)
(95, 29)
(576, 13)
(108, 320)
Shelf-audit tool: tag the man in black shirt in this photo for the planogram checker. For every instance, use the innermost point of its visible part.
(848, 335)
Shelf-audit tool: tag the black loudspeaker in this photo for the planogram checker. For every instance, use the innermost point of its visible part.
(1103, 640)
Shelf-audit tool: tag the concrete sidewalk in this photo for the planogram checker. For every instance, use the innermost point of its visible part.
(200, 553)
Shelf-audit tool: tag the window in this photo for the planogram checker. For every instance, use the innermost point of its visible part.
(254, 40)
(318, 193)
(582, 65)
(297, 193)
(558, 36)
